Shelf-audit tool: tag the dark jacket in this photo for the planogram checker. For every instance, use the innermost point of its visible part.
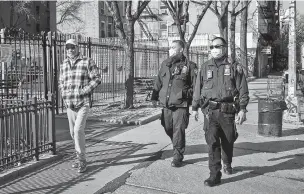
(175, 81)
(220, 82)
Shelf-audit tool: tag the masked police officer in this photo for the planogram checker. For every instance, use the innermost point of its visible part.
(174, 89)
(221, 91)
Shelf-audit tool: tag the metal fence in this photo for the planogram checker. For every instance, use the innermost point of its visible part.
(33, 64)
(26, 130)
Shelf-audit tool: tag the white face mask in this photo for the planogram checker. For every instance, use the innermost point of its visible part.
(217, 53)
(172, 52)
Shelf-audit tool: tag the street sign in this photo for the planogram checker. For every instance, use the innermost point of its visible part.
(266, 50)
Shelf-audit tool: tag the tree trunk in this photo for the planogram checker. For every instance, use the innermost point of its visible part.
(243, 35)
(224, 22)
(12, 15)
(130, 56)
(232, 36)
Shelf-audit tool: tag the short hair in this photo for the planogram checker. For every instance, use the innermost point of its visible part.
(220, 38)
(181, 43)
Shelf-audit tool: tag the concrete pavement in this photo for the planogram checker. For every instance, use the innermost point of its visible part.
(137, 160)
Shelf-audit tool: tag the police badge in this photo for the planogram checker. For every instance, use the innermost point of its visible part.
(227, 70)
(209, 74)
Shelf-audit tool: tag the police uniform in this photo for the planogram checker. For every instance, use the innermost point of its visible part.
(174, 89)
(219, 83)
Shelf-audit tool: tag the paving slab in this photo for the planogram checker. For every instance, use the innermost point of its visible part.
(189, 179)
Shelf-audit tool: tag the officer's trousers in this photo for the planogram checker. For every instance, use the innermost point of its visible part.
(175, 121)
(220, 134)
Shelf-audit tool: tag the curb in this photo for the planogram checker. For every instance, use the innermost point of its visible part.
(28, 167)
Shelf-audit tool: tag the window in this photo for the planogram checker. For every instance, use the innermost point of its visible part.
(37, 10)
(163, 9)
(102, 30)
(110, 26)
(102, 11)
(48, 21)
(110, 30)
(163, 25)
(37, 27)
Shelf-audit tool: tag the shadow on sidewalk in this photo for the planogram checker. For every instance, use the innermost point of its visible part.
(59, 177)
(243, 148)
(293, 163)
(292, 132)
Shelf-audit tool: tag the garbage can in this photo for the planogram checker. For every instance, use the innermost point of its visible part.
(270, 117)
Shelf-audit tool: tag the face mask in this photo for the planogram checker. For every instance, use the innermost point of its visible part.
(216, 53)
(172, 52)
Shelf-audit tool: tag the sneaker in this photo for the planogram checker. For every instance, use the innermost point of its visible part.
(75, 164)
(82, 167)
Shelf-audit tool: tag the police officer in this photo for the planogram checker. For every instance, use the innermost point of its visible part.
(174, 89)
(221, 91)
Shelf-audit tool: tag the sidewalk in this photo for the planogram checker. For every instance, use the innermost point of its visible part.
(138, 161)
(262, 164)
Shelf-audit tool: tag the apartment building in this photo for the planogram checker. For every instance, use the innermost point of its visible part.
(39, 15)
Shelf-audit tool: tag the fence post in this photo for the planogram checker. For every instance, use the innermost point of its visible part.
(45, 65)
(35, 126)
(56, 91)
(27, 122)
(113, 71)
(51, 123)
(89, 47)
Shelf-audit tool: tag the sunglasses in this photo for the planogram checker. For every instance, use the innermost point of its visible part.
(216, 46)
(70, 47)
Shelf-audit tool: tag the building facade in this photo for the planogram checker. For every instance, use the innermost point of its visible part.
(36, 16)
(96, 20)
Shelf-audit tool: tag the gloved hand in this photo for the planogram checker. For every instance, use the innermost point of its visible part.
(195, 114)
(241, 117)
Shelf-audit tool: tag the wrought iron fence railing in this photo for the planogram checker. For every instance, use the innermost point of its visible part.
(26, 130)
(33, 64)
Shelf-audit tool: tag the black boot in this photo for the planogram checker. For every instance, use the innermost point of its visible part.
(213, 180)
(228, 169)
(176, 163)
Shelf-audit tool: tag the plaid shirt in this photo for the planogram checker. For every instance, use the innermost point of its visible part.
(77, 81)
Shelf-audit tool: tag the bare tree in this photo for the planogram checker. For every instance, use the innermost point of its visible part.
(128, 36)
(243, 36)
(68, 14)
(234, 13)
(20, 11)
(180, 14)
(222, 16)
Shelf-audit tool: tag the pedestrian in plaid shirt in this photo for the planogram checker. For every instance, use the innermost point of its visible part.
(78, 78)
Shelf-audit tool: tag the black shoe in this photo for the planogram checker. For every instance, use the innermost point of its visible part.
(213, 181)
(176, 163)
(228, 169)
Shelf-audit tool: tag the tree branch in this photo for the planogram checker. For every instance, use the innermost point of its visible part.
(171, 9)
(185, 16)
(238, 12)
(199, 19)
(224, 11)
(114, 10)
(140, 8)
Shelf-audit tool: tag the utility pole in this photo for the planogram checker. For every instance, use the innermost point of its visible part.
(292, 114)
